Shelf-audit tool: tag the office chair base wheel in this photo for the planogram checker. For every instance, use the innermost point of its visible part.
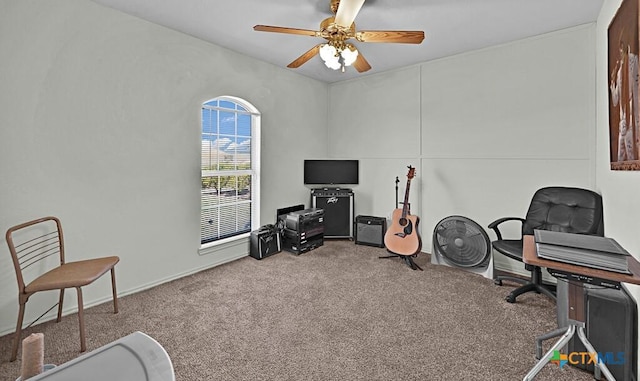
(497, 282)
(510, 298)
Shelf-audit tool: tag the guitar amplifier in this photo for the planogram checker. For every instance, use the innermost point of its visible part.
(337, 204)
(370, 230)
(264, 242)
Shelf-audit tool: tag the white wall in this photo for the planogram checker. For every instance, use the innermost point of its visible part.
(619, 188)
(376, 119)
(485, 129)
(491, 127)
(494, 125)
(100, 126)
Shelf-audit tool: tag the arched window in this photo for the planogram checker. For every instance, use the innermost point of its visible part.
(230, 169)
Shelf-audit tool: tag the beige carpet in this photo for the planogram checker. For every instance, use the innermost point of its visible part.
(335, 313)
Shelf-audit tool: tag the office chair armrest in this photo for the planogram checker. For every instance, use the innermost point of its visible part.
(494, 224)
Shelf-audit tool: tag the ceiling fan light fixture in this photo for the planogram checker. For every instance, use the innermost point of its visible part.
(328, 53)
(349, 56)
(330, 56)
(335, 65)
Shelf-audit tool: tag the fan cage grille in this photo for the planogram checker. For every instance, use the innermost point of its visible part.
(461, 242)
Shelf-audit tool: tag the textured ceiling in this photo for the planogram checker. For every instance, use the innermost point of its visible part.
(450, 26)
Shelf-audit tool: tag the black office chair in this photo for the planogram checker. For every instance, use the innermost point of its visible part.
(563, 209)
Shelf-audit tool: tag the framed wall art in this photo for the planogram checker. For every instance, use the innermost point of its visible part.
(624, 112)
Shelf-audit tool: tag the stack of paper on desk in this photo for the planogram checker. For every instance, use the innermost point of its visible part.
(584, 250)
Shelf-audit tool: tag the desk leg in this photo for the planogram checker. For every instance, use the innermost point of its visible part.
(547, 356)
(599, 366)
(546, 336)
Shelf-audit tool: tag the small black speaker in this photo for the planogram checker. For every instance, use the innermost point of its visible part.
(264, 242)
(370, 230)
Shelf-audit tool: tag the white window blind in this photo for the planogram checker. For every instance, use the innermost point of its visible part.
(228, 170)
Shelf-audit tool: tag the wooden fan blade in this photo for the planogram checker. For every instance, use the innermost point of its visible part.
(306, 56)
(361, 63)
(399, 36)
(280, 29)
(347, 12)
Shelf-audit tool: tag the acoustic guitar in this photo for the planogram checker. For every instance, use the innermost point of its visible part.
(402, 236)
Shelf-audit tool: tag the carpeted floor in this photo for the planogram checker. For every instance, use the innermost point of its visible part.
(335, 313)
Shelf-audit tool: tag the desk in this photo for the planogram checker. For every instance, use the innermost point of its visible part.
(578, 275)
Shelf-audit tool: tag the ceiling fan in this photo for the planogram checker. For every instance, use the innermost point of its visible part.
(337, 53)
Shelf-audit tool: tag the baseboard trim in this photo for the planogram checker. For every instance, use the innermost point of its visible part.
(107, 298)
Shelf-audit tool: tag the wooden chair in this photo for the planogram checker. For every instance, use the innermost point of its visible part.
(31, 245)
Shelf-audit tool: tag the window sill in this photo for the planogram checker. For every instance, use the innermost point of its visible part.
(224, 244)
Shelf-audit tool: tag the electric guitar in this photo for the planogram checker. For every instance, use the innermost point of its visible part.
(402, 236)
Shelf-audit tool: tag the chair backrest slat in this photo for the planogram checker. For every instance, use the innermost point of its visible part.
(37, 241)
(26, 264)
(38, 249)
(32, 242)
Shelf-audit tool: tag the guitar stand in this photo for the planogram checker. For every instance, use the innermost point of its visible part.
(408, 259)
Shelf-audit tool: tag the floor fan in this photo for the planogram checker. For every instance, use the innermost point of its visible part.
(460, 242)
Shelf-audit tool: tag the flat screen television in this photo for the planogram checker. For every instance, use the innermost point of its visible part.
(331, 172)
